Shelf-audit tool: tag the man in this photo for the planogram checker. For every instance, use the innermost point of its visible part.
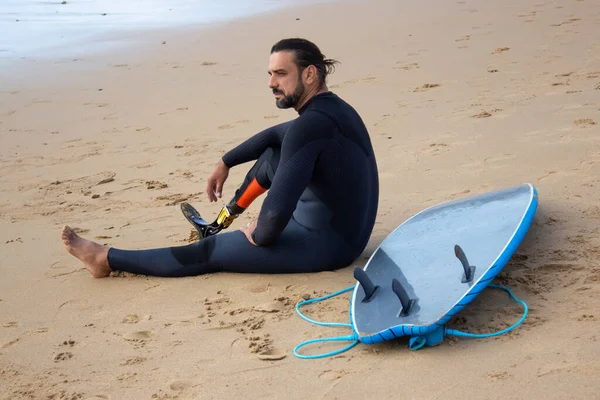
(320, 173)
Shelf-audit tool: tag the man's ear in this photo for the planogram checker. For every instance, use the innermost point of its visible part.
(311, 74)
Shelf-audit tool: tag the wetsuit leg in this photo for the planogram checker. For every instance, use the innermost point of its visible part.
(298, 250)
(257, 181)
(167, 262)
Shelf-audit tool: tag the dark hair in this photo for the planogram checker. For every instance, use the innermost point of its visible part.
(307, 53)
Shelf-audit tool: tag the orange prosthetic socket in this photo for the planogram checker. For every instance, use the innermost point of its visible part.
(252, 192)
(235, 207)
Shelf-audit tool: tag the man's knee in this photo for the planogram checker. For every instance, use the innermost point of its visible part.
(268, 163)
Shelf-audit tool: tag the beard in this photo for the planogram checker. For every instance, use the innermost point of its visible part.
(291, 100)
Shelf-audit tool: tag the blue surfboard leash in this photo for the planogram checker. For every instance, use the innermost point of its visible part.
(353, 338)
(415, 342)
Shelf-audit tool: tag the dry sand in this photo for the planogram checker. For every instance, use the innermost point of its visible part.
(460, 98)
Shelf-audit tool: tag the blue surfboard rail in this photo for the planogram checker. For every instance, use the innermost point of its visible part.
(503, 258)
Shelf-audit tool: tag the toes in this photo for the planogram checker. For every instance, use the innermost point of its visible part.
(68, 233)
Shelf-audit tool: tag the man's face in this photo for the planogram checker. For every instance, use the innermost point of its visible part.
(286, 82)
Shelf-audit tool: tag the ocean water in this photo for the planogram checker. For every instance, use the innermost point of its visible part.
(51, 28)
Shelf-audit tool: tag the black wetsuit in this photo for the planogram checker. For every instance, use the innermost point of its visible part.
(318, 214)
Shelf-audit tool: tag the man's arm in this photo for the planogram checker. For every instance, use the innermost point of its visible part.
(303, 144)
(252, 148)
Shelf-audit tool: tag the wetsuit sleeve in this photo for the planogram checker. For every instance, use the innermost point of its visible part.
(252, 148)
(305, 140)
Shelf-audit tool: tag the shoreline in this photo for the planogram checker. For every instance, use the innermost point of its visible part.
(140, 44)
(50, 29)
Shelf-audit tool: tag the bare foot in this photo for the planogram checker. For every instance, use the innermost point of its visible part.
(92, 254)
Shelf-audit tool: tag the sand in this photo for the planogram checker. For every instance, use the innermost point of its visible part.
(460, 98)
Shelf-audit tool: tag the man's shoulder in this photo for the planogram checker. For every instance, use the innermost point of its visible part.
(311, 125)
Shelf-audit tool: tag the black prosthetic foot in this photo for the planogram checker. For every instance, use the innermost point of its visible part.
(203, 227)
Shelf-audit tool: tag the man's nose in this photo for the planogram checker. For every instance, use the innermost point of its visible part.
(272, 83)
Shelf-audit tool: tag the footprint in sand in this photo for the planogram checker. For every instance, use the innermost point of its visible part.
(463, 39)
(486, 114)
(501, 375)
(332, 375)
(492, 70)
(340, 85)
(112, 116)
(259, 344)
(426, 86)
(435, 149)
(177, 198)
(569, 21)
(504, 157)
(12, 324)
(271, 116)
(587, 317)
(127, 376)
(483, 114)
(63, 356)
(585, 122)
(593, 277)
(144, 129)
(531, 14)
(208, 63)
(593, 75)
(180, 385)
(564, 75)
(145, 165)
(176, 110)
(258, 288)
(226, 126)
(501, 50)
(271, 355)
(109, 179)
(134, 361)
(131, 319)
(100, 105)
(140, 337)
(270, 307)
(407, 67)
(69, 343)
(156, 185)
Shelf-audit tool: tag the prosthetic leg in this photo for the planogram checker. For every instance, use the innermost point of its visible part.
(257, 181)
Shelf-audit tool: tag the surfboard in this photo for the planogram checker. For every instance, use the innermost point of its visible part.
(436, 262)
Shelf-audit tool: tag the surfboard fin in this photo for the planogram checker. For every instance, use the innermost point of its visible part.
(361, 276)
(469, 269)
(407, 302)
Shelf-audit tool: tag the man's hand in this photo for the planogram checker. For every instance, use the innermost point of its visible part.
(248, 230)
(214, 187)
